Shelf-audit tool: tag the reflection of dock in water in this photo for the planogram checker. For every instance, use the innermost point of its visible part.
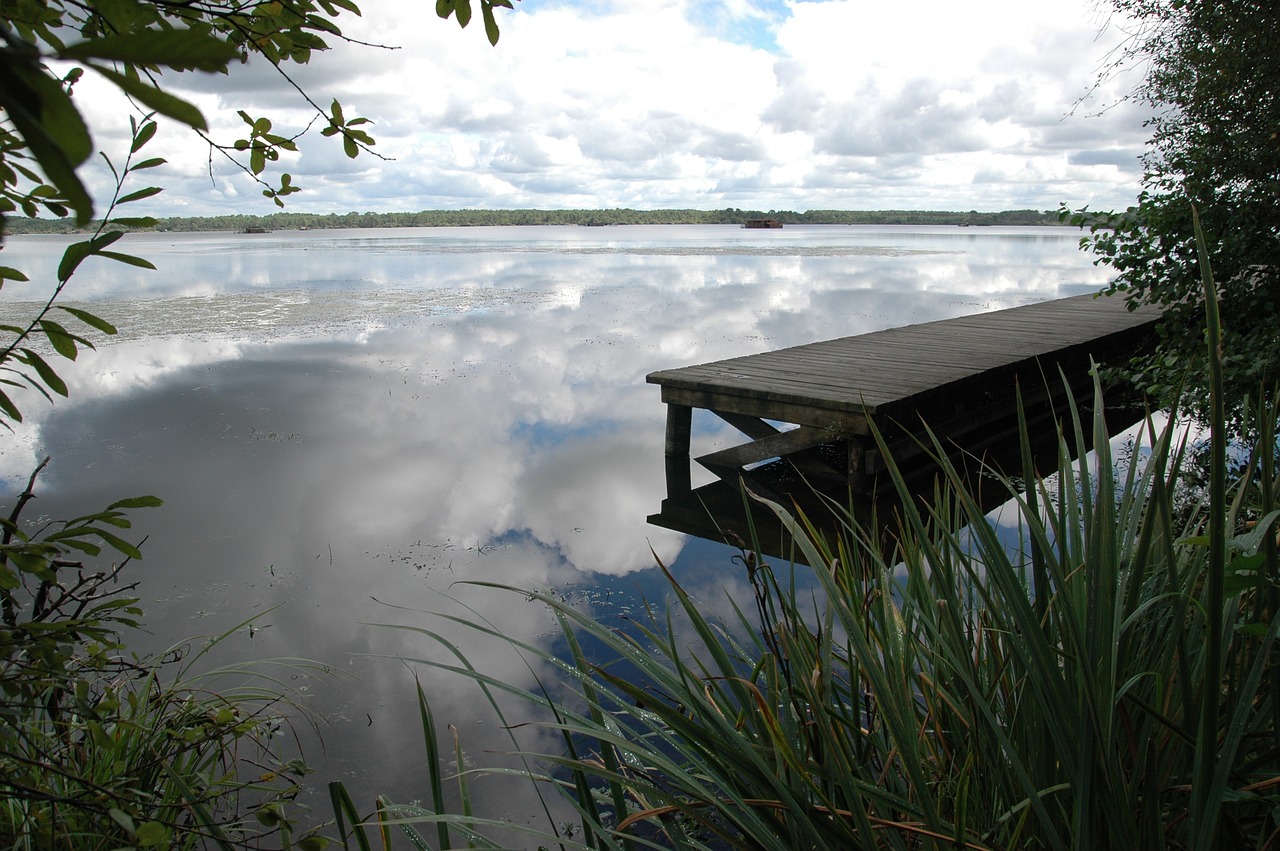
(959, 376)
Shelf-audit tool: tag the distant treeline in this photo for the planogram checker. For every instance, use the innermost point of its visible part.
(474, 218)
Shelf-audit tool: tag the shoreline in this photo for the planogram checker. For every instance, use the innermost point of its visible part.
(15, 225)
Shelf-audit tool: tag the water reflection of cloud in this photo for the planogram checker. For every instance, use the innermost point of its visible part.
(453, 417)
(580, 496)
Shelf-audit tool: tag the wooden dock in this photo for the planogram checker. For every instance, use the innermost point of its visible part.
(813, 406)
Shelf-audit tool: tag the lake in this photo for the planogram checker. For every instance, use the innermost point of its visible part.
(343, 424)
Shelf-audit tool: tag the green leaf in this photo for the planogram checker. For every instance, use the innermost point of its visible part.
(151, 163)
(462, 10)
(62, 342)
(1248, 564)
(136, 502)
(140, 194)
(140, 262)
(119, 544)
(9, 408)
(123, 819)
(32, 382)
(10, 274)
(151, 833)
(79, 546)
(46, 373)
(53, 108)
(257, 160)
(157, 99)
(135, 221)
(490, 23)
(143, 136)
(1238, 582)
(43, 115)
(75, 253)
(104, 239)
(350, 147)
(89, 319)
(180, 49)
(115, 175)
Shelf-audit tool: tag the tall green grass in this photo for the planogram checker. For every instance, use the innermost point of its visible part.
(162, 752)
(1101, 677)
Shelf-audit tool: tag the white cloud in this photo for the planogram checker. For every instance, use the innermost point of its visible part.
(838, 103)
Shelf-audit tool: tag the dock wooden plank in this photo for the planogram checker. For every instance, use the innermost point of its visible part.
(892, 367)
(958, 371)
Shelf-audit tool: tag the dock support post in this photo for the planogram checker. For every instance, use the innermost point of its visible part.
(679, 427)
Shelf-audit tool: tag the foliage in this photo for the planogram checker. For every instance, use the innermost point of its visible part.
(99, 749)
(117, 752)
(1212, 75)
(1106, 680)
(130, 43)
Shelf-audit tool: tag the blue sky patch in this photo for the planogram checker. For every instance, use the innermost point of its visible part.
(754, 24)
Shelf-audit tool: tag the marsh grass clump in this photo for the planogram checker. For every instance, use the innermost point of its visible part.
(115, 751)
(954, 691)
(1100, 676)
(103, 749)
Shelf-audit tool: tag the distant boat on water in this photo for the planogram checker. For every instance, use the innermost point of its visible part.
(762, 223)
(255, 229)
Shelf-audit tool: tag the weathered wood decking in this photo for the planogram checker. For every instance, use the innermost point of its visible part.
(957, 375)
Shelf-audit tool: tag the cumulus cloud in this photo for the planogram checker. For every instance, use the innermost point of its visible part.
(771, 105)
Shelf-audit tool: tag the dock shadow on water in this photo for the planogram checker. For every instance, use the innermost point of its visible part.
(738, 514)
(345, 426)
(987, 396)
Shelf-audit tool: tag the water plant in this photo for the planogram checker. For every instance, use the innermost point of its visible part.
(100, 748)
(1100, 676)
(119, 752)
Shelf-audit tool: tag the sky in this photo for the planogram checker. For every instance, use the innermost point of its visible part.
(706, 104)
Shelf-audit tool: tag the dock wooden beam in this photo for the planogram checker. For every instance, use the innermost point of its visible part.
(960, 376)
(679, 425)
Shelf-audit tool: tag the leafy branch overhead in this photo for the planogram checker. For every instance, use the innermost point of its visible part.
(351, 139)
(21, 364)
(44, 140)
(1211, 79)
(461, 12)
(42, 113)
(71, 699)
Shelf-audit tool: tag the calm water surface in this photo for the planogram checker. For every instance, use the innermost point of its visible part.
(344, 423)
